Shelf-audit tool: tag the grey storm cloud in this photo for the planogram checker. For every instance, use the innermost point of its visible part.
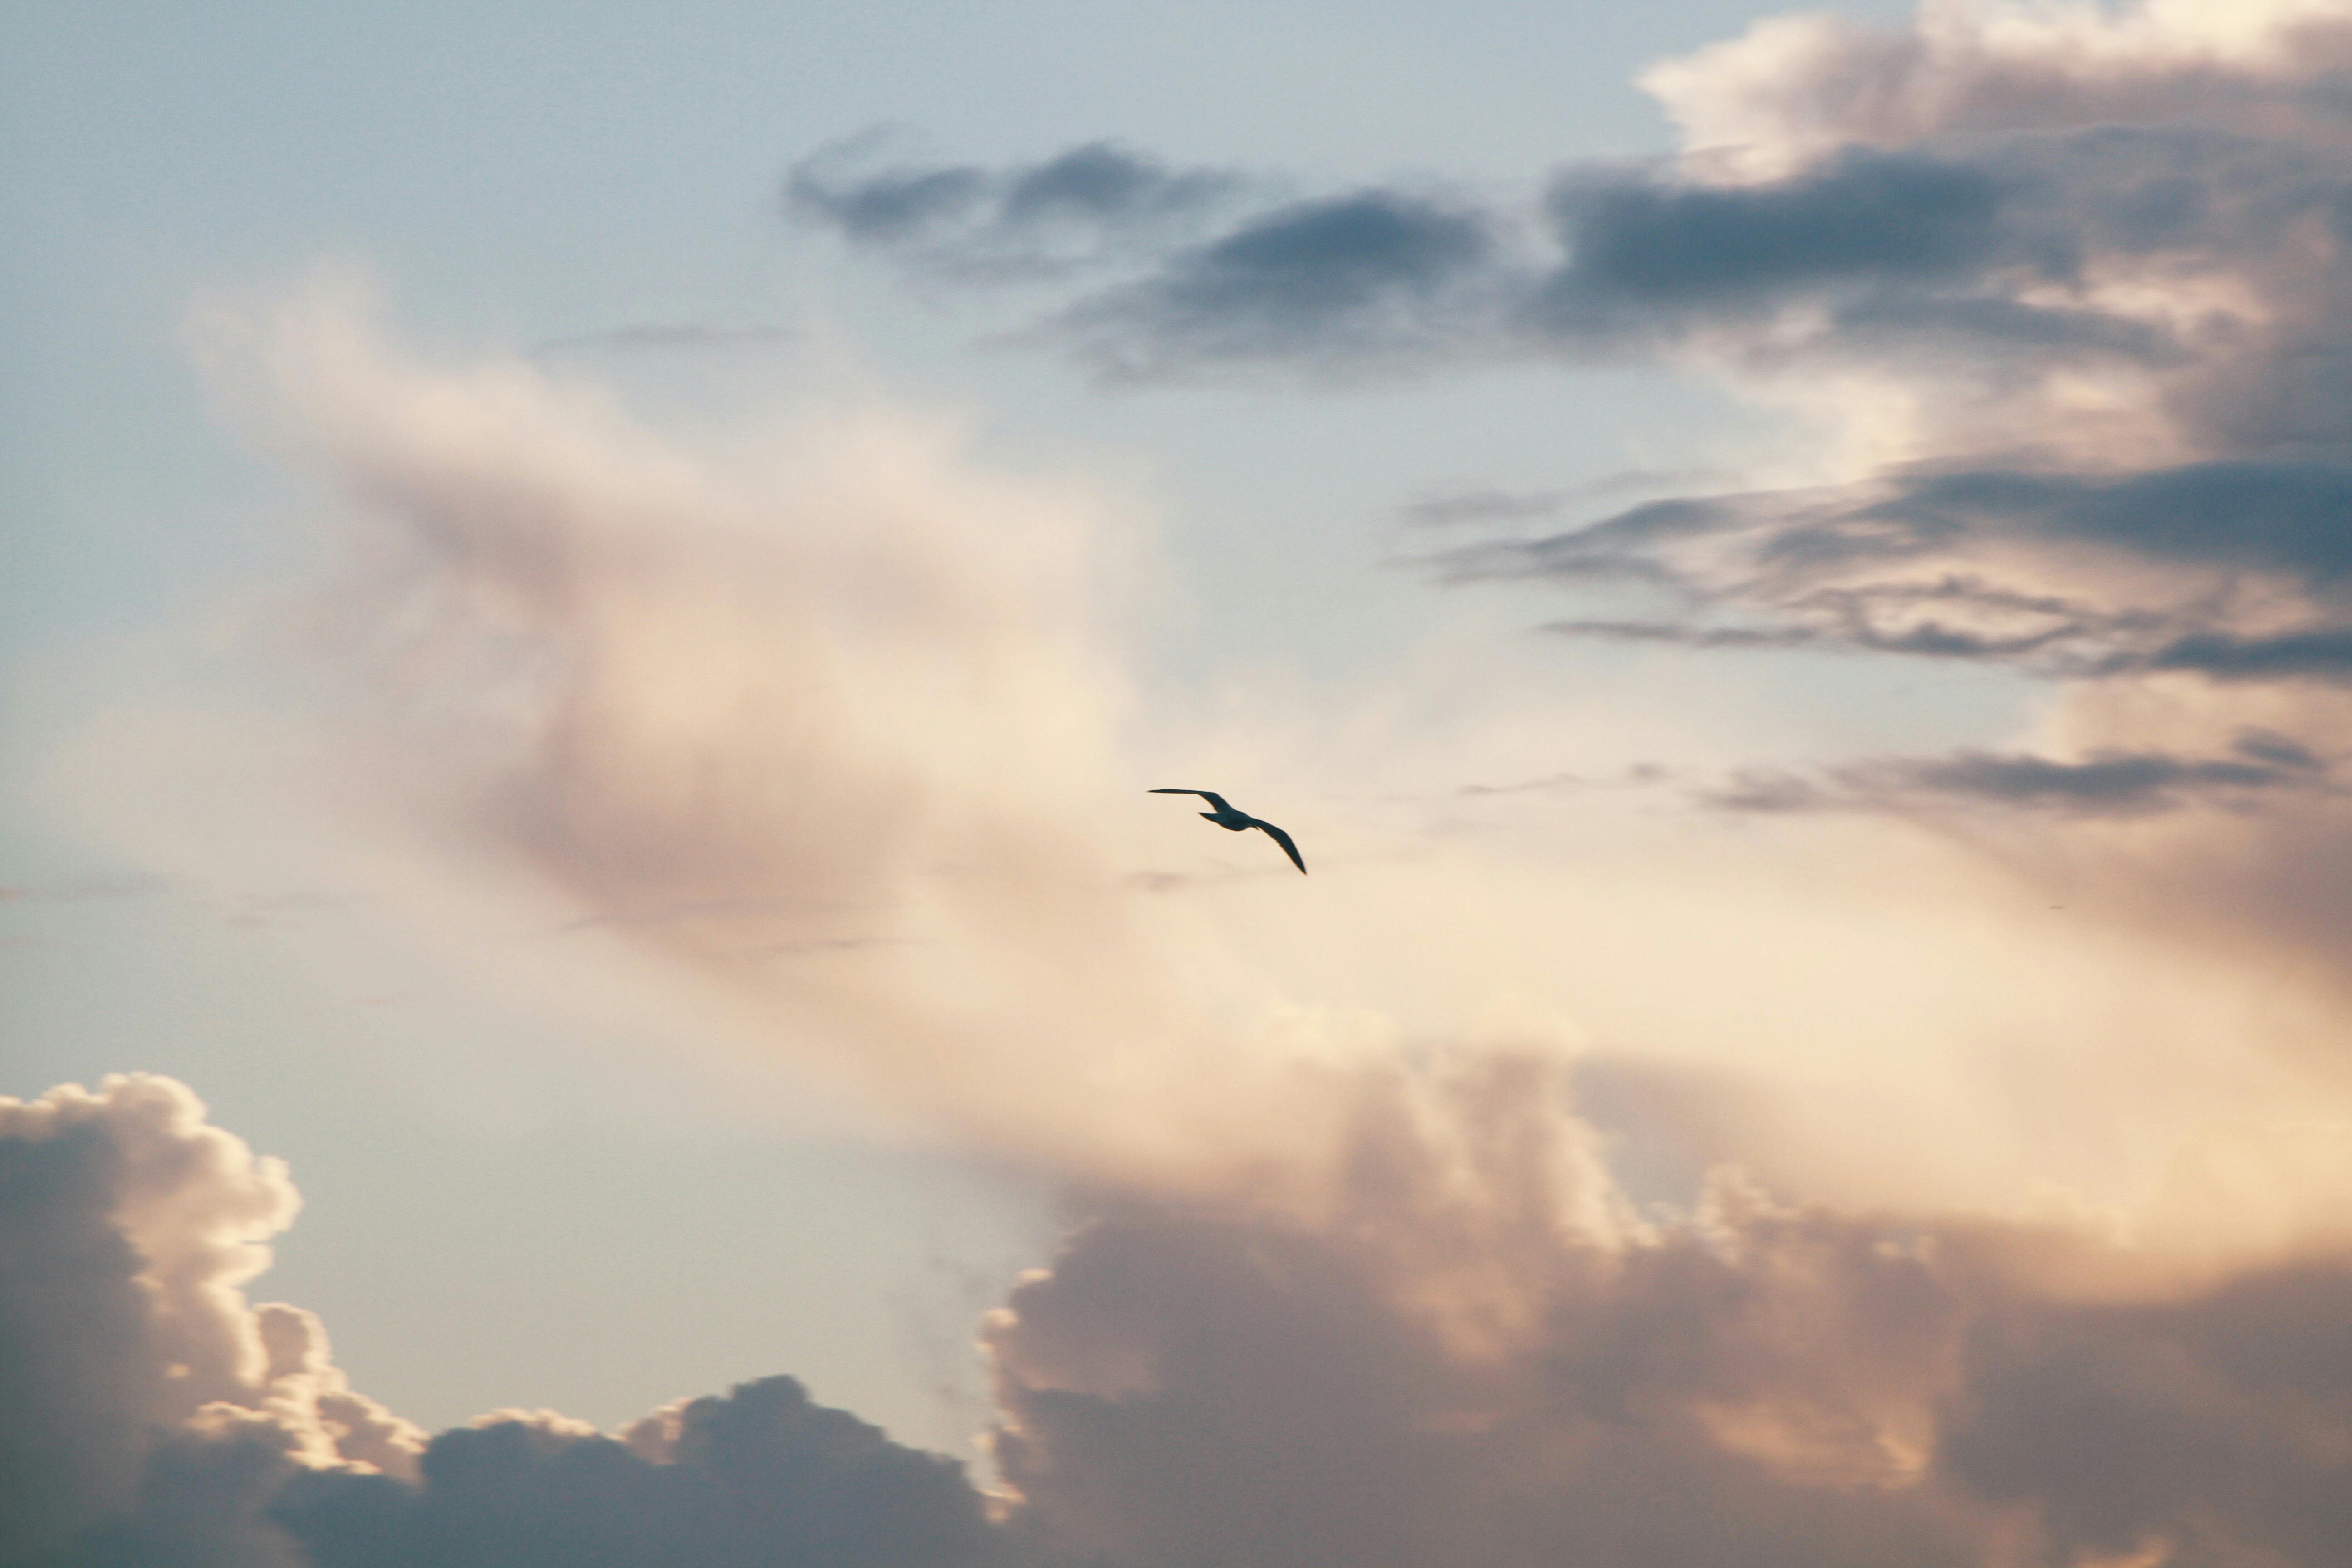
(1464, 1346)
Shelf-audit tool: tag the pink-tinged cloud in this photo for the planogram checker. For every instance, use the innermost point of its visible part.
(821, 715)
(133, 1227)
(827, 721)
(1469, 1349)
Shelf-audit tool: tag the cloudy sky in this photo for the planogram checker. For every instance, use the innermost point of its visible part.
(592, 597)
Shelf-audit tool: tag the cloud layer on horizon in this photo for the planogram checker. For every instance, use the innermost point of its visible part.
(1470, 1348)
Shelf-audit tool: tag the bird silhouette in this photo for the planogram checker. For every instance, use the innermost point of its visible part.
(1233, 821)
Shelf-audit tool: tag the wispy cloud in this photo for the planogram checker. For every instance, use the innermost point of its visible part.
(1481, 506)
(81, 889)
(665, 335)
(1086, 208)
(2107, 782)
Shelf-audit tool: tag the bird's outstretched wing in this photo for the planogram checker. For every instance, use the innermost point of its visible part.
(1210, 795)
(1279, 837)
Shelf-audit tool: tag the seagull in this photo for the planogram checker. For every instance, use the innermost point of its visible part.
(1233, 821)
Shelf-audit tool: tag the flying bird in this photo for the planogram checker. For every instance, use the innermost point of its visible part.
(1233, 821)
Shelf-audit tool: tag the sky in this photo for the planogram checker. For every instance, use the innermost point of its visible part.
(593, 597)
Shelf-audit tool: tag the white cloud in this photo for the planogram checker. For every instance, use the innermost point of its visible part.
(134, 1229)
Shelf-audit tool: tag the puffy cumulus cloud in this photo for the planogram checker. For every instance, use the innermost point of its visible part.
(149, 1414)
(132, 1228)
(1795, 89)
(761, 1476)
(1459, 1341)
(1473, 1352)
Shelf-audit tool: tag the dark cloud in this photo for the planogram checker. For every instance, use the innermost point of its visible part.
(2284, 517)
(759, 1476)
(2322, 654)
(1986, 247)
(1087, 206)
(2107, 782)
(1651, 243)
(1449, 509)
(2115, 779)
(78, 1363)
(201, 1500)
(1101, 183)
(2116, 316)
(1981, 245)
(1686, 636)
(2127, 1421)
(890, 207)
(1373, 274)
(1961, 273)
(1913, 564)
